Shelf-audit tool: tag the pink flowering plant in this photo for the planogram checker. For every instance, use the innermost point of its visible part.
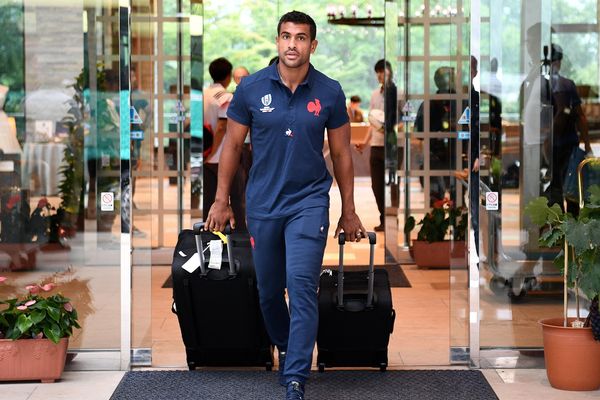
(38, 315)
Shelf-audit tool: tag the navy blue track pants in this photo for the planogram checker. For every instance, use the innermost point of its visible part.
(288, 252)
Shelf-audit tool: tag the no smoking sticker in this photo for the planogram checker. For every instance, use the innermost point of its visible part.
(107, 201)
(491, 201)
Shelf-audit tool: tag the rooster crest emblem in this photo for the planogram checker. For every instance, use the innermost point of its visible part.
(314, 107)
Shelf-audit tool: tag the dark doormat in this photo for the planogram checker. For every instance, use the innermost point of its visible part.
(331, 385)
(397, 277)
(168, 283)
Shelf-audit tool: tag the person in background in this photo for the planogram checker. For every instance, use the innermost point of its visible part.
(382, 117)
(216, 102)
(288, 191)
(569, 119)
(354, 112)
(239, 73)
(442, 118)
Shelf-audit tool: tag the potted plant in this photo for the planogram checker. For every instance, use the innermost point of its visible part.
(72, 182)
(34, 332)
(572, 345)
(433, 247)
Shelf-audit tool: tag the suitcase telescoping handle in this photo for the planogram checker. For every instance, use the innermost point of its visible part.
(198, 228)
(371, 274)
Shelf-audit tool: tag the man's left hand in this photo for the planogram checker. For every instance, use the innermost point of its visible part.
(350, 224)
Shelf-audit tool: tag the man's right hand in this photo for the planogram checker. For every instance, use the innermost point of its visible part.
(218, 217)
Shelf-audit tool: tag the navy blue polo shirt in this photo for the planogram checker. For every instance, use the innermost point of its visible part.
(288, 171)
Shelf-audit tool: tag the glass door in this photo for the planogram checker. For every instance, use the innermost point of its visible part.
(538, 102)
(428, 156)
(65, 166)
(166, 194)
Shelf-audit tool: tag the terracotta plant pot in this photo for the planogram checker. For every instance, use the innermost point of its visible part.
(439, 254)
(32, 359)
(572, 356)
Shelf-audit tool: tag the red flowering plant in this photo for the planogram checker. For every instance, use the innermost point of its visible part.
(37, 316)
(435, 225)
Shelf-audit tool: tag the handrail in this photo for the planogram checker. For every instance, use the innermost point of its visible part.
(580, 167)
(580, 179)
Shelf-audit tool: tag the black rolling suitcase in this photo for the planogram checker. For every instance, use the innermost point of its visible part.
(356, 316)
(218, 309)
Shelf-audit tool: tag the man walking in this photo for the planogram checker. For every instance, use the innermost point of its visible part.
(288, 105)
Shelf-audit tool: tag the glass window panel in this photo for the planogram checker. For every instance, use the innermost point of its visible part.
(416, 77)
(170, 76)
(416, 45)
(415, 8)
(444, 4)
(580, 57)
(466, 77)
(143, 33)
(442, 153)
(442, 40)
(466, 44)
(417, 109)
(399, 76)
(170, 32)
(170, 7)
(582, 11)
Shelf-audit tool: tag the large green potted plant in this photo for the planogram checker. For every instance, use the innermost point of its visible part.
(34, 334)
(572, 344)
(72, 182)
(441, 237)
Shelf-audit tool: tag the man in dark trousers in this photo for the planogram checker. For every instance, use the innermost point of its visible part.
(383, 101)
(288, 106)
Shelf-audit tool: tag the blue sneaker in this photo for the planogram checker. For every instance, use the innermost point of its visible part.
(282, 355)
(295, 391)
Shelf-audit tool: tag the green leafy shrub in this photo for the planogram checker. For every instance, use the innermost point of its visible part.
(37, 316)
(435, 225)
(582, 234)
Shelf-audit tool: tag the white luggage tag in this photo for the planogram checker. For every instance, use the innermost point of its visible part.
(192, 264)
(216, 254)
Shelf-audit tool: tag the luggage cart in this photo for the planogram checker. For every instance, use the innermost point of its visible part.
(514, 272)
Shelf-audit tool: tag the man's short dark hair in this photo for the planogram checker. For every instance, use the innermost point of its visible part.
(355, 99)
(298, 18)
(382, 64)
(220, 69)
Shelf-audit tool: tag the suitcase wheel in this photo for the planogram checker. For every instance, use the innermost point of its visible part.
(321, 367)
(192, 365)
(382, 367)
(269, 366)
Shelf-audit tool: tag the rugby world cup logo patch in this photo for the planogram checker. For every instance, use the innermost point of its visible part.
(266, 102)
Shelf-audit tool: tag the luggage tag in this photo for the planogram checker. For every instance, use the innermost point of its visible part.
(216, 254)
(192, 264)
